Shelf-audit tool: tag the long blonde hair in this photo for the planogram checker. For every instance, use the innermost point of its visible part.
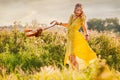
(79, 5)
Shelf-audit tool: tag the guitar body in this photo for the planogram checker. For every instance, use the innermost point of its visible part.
(35, 33)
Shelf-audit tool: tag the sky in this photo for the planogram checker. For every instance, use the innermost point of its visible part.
(44, 11)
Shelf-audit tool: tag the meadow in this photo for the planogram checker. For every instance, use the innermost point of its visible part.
(41, 58)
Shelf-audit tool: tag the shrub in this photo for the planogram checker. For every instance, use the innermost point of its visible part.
(108, 47)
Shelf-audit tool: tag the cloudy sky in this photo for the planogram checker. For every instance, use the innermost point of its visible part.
(45, 11)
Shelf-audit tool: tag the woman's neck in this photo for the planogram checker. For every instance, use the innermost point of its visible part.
(75, 16)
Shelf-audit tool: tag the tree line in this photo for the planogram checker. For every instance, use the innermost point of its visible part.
(108, 24)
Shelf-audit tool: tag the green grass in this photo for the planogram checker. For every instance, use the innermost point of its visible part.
(23, 58)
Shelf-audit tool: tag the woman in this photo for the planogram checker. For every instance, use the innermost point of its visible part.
(77, 45)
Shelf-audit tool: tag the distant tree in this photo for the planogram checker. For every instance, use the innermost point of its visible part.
(96, 24)
(109, 24)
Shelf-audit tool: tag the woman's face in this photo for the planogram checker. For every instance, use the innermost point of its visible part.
(78, 11)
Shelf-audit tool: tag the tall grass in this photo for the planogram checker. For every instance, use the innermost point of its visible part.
(17, 50)
(95, 71)
(25, 58)
(108, 46)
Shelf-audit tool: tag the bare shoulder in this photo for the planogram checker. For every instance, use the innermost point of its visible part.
(83, 17)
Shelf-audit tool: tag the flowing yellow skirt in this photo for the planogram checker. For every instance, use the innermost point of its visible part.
(78, 46)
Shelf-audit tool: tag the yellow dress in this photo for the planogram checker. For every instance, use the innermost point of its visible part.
(76, 43)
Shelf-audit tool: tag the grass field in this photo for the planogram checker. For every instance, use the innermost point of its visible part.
(41, 58)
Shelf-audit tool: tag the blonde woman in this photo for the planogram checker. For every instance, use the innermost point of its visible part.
(77, 45)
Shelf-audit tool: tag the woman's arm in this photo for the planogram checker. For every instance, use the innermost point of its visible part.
(66, 24)
(84, 29)
(60, 23)
(85, 32)
(63, 24)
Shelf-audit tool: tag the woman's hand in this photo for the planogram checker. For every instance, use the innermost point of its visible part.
(87, 37)
(56, 22)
